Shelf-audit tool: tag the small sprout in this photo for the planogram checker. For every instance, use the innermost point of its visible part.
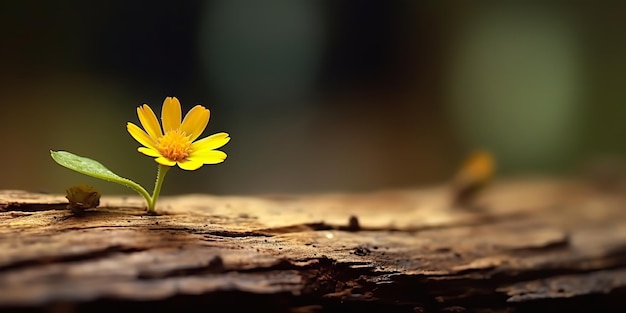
(172, 142)
(82, 197)
(474, 175)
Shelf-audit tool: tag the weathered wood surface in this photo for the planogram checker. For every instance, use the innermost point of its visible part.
(525, 245)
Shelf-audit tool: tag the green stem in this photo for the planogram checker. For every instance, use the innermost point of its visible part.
(140, 190)
(162, 170)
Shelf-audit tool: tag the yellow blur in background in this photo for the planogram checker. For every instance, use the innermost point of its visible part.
(317, 96)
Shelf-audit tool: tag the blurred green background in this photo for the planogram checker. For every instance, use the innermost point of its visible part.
(318, 96)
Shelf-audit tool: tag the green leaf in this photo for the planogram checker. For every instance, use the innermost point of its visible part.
(95, 169)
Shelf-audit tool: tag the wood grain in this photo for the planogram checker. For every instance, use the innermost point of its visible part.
(523, 245)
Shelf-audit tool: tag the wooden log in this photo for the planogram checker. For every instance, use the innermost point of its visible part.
(522, 245)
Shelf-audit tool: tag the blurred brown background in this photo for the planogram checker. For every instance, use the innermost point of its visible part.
(318, 96)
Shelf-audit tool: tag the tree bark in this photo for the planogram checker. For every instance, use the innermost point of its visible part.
(522, 245)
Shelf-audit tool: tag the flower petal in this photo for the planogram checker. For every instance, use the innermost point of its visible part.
(149, 152)
(208, 157)
(140, 135)
(165, 161)
(195, 122)
(149, 121)
(190, 165)
(212, 142)
(171, 114)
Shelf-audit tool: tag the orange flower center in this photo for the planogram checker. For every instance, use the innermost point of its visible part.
(174, 146)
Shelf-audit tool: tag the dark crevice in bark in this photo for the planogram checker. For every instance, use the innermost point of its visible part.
(82, 256)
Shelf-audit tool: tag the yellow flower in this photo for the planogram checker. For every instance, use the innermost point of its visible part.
(175, 144)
